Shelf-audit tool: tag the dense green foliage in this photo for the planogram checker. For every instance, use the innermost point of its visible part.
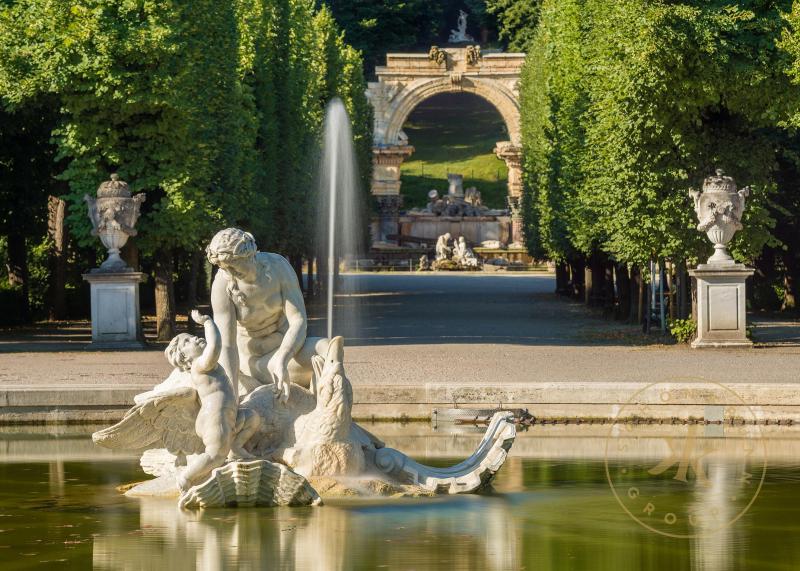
(213, 109)
(629, 104)
(375, 27)
(516, 20)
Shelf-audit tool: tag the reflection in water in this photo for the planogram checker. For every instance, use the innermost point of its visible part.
(331, 538)
(713, 506)
(548, 512)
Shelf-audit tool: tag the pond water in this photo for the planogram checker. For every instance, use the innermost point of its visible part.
(552, 507)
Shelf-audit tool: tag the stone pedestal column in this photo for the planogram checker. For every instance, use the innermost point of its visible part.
(116, 322)
(388, 218)
(721, 317)
(386, 163)
(512, 155)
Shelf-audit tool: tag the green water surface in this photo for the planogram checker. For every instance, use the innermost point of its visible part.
(543, 514)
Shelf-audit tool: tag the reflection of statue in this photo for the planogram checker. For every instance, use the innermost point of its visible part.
(314, 539)
(460, 35)
(443, 249)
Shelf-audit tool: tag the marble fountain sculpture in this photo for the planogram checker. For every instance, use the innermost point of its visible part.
(288, 430)
(459, 256)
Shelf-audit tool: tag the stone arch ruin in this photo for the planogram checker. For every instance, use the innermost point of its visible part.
(409, 79)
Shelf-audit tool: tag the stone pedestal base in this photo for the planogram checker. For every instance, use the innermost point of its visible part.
(116, 322)
(721, 317)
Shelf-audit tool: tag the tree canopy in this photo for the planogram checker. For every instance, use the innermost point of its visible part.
(213, 109)
(629, 104)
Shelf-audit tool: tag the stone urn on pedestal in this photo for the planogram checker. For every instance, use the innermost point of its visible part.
(721, 308)
(116, 320)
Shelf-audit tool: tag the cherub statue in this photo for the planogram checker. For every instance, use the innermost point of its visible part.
(198, 419)
(216, 419)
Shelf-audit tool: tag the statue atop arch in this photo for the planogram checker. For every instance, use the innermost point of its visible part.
(460, 35)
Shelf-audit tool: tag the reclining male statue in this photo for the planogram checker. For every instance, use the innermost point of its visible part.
(259, 308)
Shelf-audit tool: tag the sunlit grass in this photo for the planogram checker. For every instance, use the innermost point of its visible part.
(454, 133)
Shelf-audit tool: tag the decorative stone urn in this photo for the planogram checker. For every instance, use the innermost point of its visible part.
(116, 322)
(720, 283)
(114, 214)
(719, 211)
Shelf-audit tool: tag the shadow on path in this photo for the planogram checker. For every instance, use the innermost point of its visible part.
(388, 309)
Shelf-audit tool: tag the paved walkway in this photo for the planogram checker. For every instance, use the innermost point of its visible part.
(433, 328)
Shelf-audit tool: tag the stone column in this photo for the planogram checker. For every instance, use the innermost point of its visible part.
(721, 305)
(386, 161)
(115, 310)
(512, 155)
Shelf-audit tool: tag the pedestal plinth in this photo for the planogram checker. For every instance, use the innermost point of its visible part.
(116, 322)
(721, 316)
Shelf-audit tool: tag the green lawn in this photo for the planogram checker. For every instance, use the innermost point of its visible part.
(454, 132)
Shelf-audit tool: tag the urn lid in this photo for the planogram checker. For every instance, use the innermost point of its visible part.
(114, 188)
(719, 183)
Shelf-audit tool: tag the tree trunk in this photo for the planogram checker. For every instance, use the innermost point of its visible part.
(194, 279)
(311, 277)
(17, 267)
(164, 295)
(595, 279)
(297, 264)
(671, 290)
(588, 284)
(608, 287)
(648, 303)
(196, 258)
(562, 278)
(322, 273)
(789, 293)
(56, 210)
(642, 294)
(130, 254)
(623, 286)
(635, 278)
(682, 283)
(578, 276)
(791, 280)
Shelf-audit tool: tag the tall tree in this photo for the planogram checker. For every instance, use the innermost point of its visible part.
(28, 168)
(516, 21)
(149, 91)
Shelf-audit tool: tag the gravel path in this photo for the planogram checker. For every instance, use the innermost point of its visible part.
(406, 329)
